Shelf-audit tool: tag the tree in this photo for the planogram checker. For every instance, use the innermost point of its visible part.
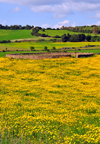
(28, 27)
(96, 30)
(68, 36)
(64, 38)
(35, 31)
(53, 48)
(45, 48)
(81, 37)
(88, 37)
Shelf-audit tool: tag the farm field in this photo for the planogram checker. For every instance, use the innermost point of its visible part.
(50, 101)
(3, 54)
(40, 45)
(95, 51)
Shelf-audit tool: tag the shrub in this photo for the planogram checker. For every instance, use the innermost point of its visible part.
(46, 49)
(5, 41)
(44, 35)
(53, 48)
(32, 48)
(57, 36)
(53, 40)
(72, 56)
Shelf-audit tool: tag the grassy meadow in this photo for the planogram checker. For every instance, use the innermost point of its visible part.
(15, 34)
(50, 101)
(26, 34)
(61, 32)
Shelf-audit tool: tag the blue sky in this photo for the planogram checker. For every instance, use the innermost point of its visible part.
(52, 13)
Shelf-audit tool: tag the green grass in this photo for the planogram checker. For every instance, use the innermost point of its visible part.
(61, 32)
(26, 34)
(3, 54)
(96, 51)
(41, 45)
(15, 34)
(26, 45)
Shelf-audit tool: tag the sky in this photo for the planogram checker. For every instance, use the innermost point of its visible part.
(50, 13)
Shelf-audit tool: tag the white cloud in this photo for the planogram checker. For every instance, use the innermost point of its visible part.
(3, 22)
(98, 23)
(34, 2)
(74, 24)
(66, 8)
(60, 24)
(43, 8)
(16, 9)
(45, 26)
(97, 14)
(60, 8)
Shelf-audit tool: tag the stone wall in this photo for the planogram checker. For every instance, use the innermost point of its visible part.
(48, 55)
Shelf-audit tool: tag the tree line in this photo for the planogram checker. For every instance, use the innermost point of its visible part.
(15, 27)
(79, 38)
(28, 27)
(84, 29)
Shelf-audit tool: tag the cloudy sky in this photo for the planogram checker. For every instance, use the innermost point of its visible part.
(50, 13)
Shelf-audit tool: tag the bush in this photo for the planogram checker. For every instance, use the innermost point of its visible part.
(5, 41)
(72, 56)
(32, 48)
(53, 48)
(46, 49)
(44, 35)
(57, 36)
(53, 40)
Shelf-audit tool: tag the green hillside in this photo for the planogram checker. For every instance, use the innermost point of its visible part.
(61, 32)
(15, 34)
(25, 34)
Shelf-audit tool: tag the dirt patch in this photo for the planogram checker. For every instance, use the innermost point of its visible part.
(48, 55)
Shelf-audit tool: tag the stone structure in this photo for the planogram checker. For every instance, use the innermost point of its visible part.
(48, 55)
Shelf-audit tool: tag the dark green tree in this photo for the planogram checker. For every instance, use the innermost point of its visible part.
(64, 38)
(88, 37)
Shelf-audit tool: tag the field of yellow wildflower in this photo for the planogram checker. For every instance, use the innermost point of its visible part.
(50, 101)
